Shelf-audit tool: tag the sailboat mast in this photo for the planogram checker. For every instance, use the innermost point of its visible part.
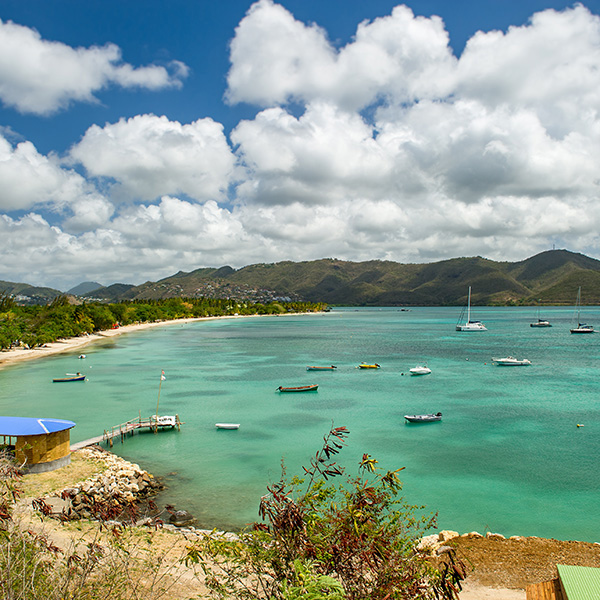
(469, 306)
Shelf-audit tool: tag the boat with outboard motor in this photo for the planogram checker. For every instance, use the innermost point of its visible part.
(429, 418)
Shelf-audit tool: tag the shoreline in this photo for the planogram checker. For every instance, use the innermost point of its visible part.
(18, 355)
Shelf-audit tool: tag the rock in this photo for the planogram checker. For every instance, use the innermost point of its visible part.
(472, 535)
(428, 543)
(446, 535)
(494, 536)
(181, 518)
(444, 549)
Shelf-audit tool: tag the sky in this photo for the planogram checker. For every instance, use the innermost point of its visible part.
(140, 138)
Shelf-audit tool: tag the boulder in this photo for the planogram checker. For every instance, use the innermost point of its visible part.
(447, 534)
(181, 518)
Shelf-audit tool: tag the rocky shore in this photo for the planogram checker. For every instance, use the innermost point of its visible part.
(110, 493)
(118, 491)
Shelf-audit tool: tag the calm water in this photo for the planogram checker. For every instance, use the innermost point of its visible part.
(507, 457)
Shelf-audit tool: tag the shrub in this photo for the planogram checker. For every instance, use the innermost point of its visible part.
(355, 541)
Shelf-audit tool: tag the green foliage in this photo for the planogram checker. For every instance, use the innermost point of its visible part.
(38, 325)
(316, 540)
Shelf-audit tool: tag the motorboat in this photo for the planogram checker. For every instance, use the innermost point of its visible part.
(69, 377)
(313, 368)
(511, 361)
(365, 366)
(581, 327)
(299, 388)
(227, 425)
(420, 370)
(429, 418)
(164, 420)
(468, 324)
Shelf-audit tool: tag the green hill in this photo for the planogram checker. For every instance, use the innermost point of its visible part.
(550, 278)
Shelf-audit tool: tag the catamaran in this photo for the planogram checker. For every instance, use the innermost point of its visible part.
(469, 325)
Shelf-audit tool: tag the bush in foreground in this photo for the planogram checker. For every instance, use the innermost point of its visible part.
(356, 541)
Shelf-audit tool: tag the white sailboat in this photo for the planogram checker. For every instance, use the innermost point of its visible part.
(469, 325)
(540, 322)
(581, 327)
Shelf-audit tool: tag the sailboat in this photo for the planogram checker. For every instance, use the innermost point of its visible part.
(469, 325)
(581, 327)
(540, 322)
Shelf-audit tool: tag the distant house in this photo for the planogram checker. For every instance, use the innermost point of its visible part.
(41, 444)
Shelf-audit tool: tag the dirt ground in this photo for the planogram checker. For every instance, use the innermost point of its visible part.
(514, 564)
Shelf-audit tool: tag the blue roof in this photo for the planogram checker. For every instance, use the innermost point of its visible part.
(17, 426)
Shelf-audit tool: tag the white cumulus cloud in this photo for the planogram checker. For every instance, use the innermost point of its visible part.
(41, 76)
(150, 156)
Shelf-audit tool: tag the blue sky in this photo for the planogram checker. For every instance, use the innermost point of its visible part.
(141, 138)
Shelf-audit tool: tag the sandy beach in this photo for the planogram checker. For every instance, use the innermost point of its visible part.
(16, 355)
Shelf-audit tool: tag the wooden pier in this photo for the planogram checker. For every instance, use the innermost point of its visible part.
(129, 428)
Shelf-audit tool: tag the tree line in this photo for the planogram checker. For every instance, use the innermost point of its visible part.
(33, 326)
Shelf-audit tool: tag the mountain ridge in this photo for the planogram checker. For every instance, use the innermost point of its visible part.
(550, 277)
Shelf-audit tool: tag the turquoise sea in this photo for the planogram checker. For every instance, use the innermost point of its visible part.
(507, 457)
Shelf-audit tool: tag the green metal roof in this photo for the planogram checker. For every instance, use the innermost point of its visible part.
(580, 583)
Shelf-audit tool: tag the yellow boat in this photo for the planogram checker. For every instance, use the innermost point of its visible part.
(364, 366)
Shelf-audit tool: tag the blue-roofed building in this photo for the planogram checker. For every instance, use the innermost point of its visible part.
(41, 444)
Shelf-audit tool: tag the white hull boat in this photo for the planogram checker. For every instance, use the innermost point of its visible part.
(469, 325)
(420, 370)
(511, 361)
(541, 323)
(227, 425)
(581, 327)
(429, 418)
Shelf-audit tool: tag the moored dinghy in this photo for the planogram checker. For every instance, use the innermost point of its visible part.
(69, 377)
(227, 425)
(313, 368)
(366, 366)
(299, 388)
(428, 418)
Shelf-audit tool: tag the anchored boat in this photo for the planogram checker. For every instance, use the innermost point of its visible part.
(511, 361)
(299, 388)
(78, 377)
(429, 418)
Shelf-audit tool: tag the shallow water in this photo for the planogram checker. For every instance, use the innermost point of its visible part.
(507, 456)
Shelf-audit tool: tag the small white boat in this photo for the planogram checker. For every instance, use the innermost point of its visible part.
(511, 361)
(469, 325)
(82, 356)
(227, 425)
(541, 323)
(429, 418)
(164, 421)
(420, 370)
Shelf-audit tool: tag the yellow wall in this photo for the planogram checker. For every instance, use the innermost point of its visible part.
(43, 448)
